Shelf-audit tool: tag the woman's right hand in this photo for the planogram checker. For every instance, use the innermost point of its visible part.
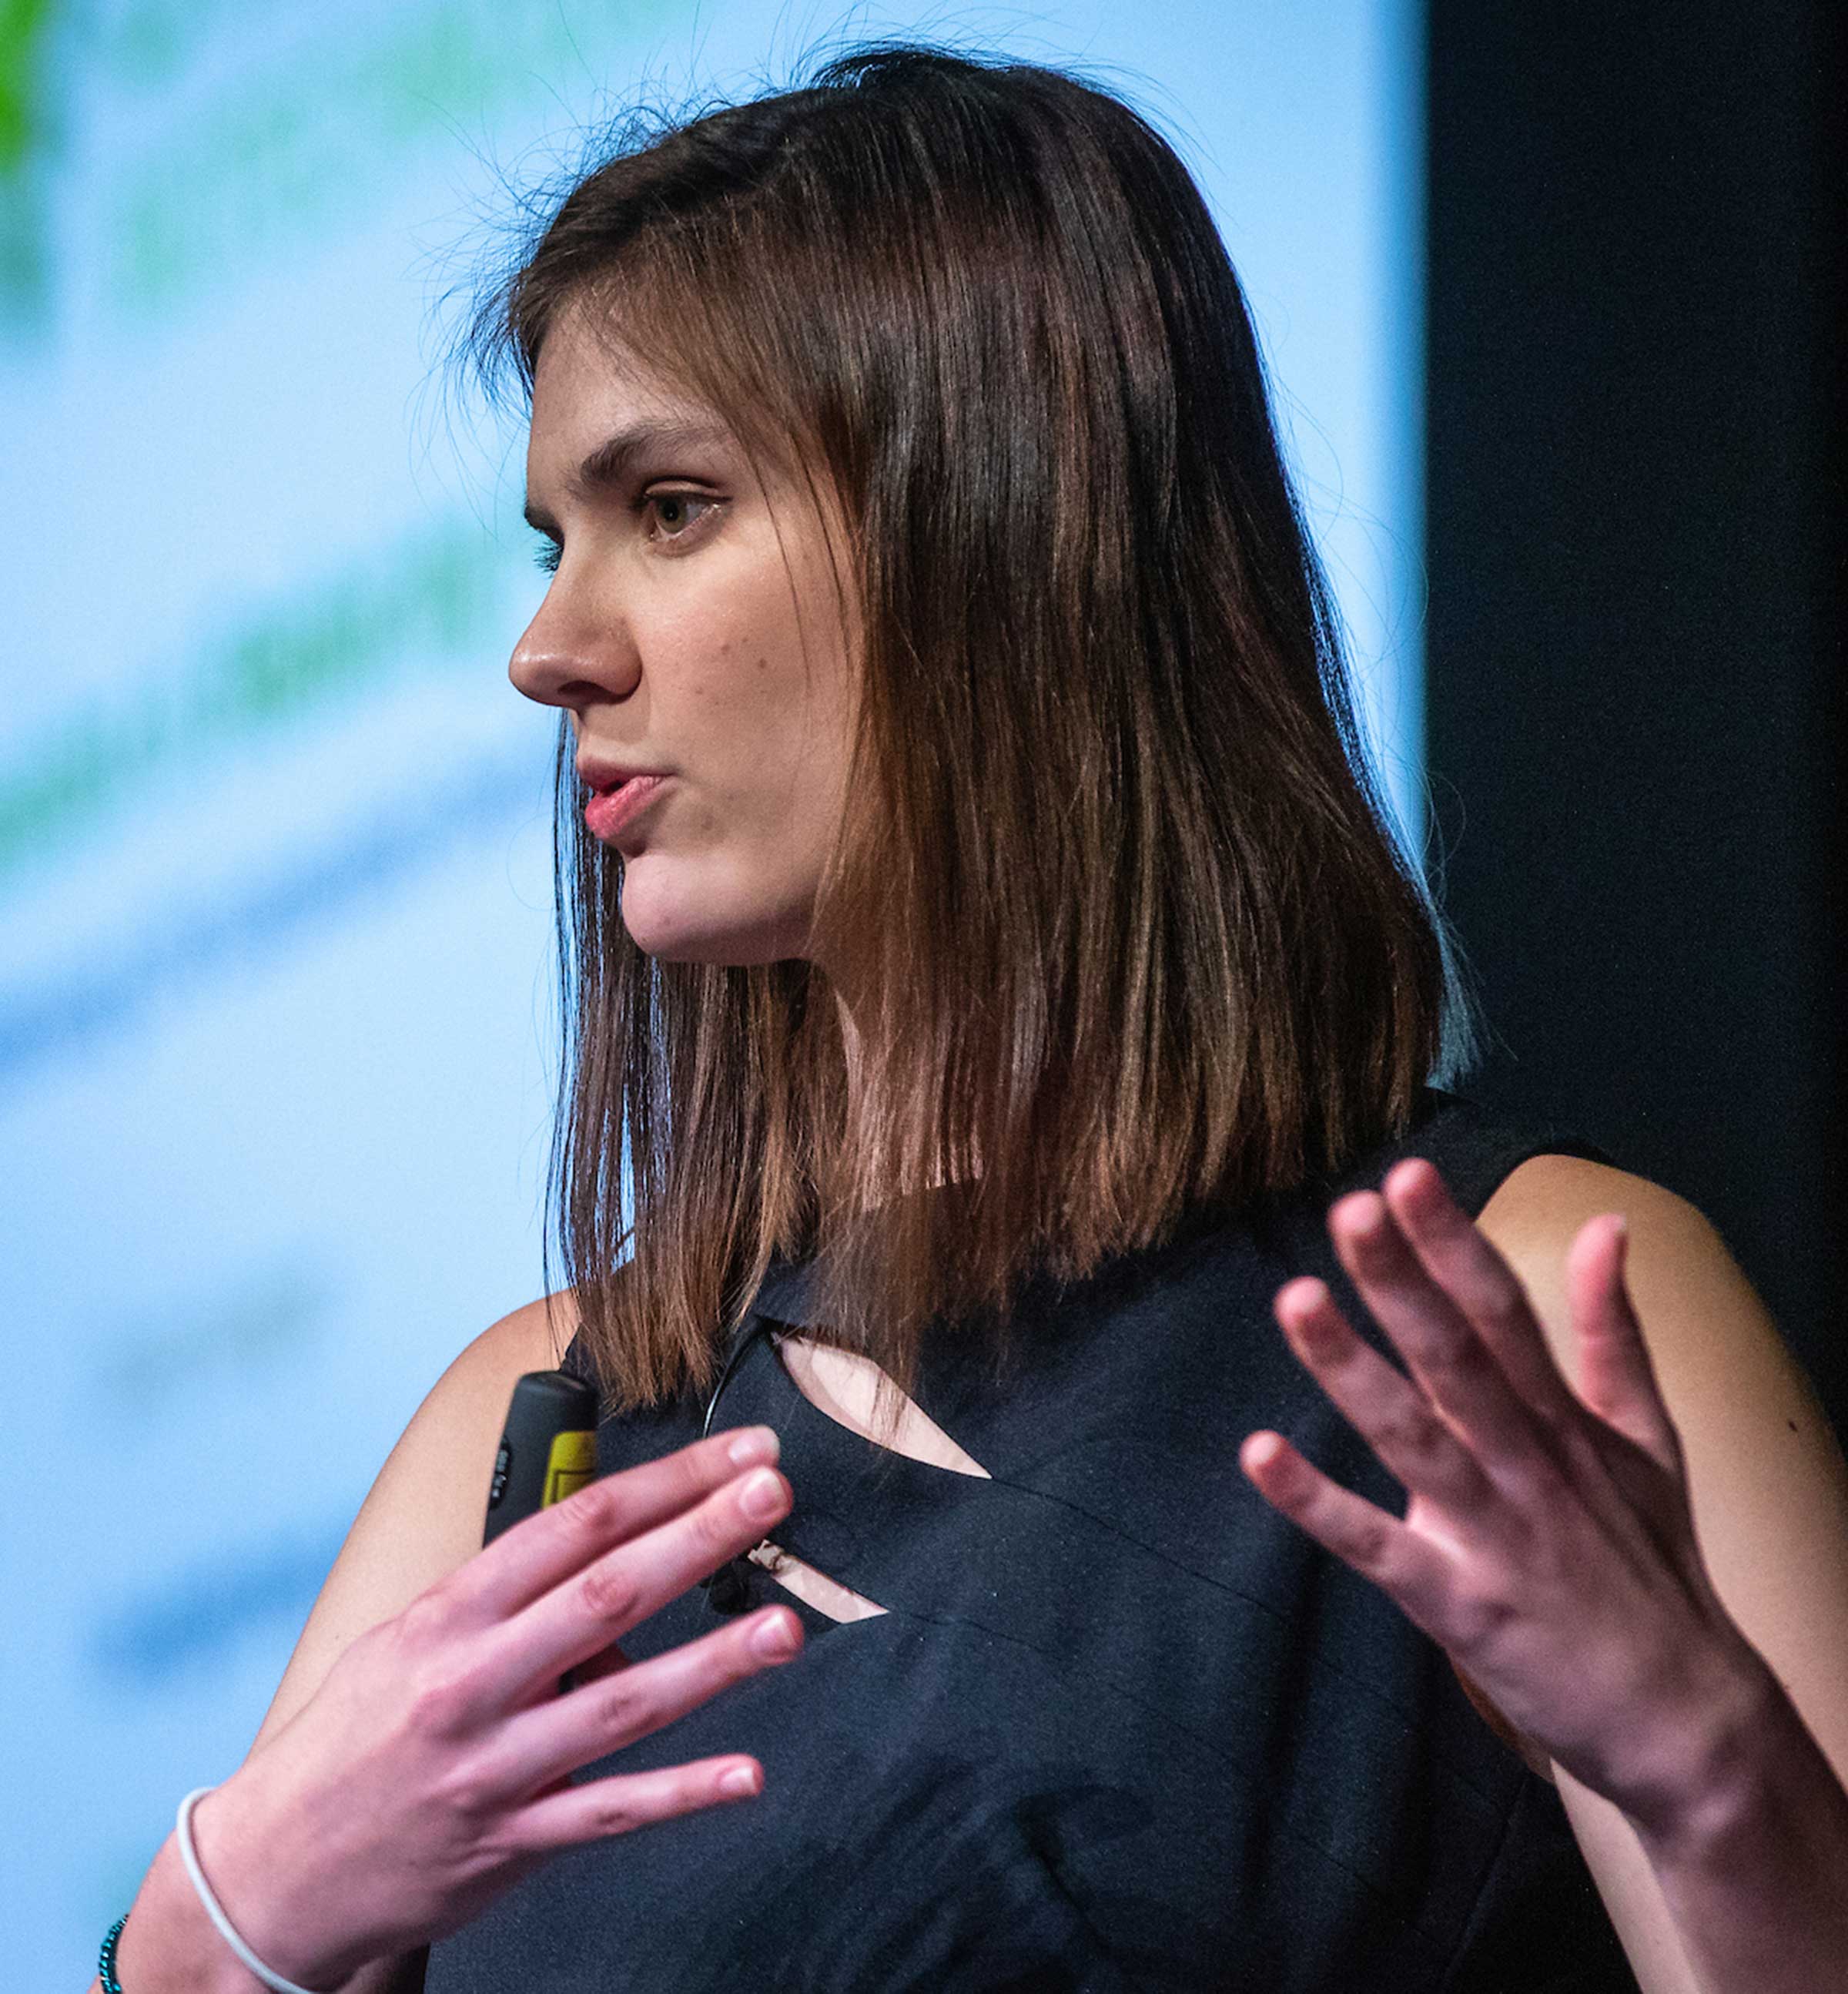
(431, 1769)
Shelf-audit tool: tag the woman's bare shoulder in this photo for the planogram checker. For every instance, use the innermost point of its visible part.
(422, 1517)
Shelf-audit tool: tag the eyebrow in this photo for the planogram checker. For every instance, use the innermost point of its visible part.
(609, 465)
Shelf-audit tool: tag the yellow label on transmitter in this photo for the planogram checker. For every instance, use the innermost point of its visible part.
(572, 1463)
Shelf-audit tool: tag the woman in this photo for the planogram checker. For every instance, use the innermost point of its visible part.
(994, 994)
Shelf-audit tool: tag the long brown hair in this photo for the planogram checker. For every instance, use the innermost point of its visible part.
(1129, 937)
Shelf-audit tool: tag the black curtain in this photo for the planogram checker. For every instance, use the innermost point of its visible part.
(1636, 541)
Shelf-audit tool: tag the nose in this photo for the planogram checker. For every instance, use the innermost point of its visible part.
(570, 655)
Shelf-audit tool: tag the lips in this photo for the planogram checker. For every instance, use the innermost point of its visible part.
(614, 807)
(596, 774)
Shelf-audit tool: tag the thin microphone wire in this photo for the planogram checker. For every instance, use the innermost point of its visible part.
(746, 1335)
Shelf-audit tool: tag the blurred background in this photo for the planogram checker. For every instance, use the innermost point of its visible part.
(1549, 297)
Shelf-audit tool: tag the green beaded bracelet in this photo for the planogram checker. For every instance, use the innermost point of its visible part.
(105, 1964)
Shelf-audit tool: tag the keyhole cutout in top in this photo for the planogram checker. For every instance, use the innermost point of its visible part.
(845, 1388)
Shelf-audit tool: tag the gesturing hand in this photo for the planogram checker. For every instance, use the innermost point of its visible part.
(431, 1768)
(1548, 1544)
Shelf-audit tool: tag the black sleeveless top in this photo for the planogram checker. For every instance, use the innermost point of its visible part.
(1121, 1726)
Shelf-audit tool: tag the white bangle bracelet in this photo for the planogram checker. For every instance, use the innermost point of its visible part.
(183, 1828)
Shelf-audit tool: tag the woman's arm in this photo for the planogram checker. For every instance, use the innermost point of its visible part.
(1769, 1492)
(1556, 1541)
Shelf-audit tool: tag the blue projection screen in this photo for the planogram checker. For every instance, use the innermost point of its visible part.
(276, 1040)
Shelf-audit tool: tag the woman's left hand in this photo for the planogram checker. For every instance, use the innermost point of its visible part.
(1548, 1544)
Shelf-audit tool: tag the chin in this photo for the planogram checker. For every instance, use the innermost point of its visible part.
(671, 929)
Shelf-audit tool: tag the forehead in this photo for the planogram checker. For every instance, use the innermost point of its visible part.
(588, 384)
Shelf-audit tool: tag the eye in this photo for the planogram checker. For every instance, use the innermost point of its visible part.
(679, 515)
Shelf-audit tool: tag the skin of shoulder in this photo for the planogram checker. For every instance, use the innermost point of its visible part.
(422, 1517)
(1767, 1480)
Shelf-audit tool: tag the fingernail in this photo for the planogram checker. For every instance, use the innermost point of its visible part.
(773, 1639)
(761, 1496)
(1366, 1223)
(742, 1779)
(754, 1444)
(1261, 1448)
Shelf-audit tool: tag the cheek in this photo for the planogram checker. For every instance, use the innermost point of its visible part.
(732, 656)
(766, 718)
(761, 704)
(743, 675)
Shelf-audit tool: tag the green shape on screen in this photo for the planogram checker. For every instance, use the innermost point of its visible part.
(25, 130)
(23, 25)
(432, 604)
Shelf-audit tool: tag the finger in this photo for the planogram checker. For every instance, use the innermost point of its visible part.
(544, 1744)
(589, 1608)
(1379, 1547)
(603, 1808)
(529, 1560)
(1389, 1413)
(1456, 1367)
(1452, 1249)
(1617, 1377)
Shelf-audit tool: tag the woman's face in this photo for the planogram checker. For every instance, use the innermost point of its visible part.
(691, 631)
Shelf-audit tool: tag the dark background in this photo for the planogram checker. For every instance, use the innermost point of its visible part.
(1636, 541)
